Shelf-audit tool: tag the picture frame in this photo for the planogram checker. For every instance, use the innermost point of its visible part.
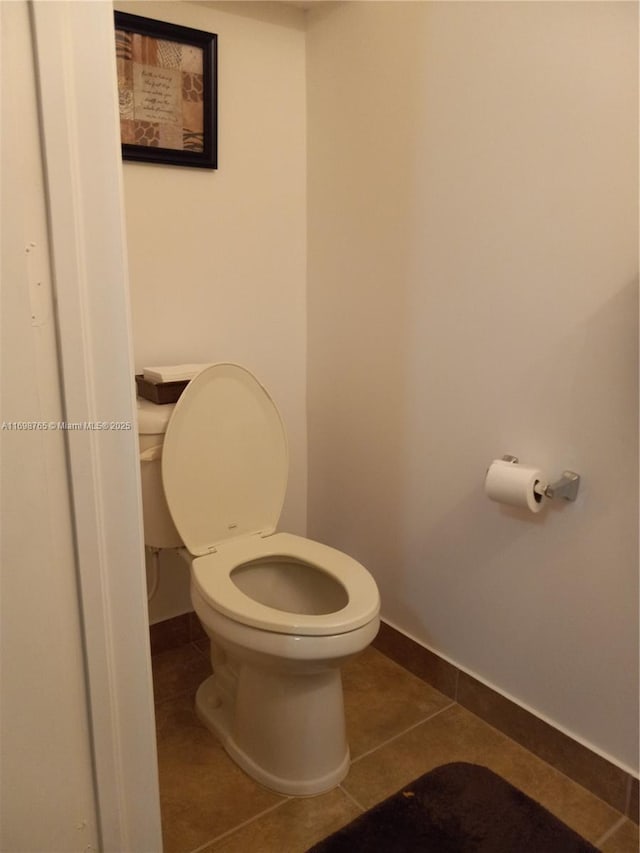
(167, 92)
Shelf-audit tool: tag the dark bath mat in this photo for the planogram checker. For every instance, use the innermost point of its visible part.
(456, 808)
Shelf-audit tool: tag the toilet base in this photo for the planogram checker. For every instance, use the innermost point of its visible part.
(286, 731)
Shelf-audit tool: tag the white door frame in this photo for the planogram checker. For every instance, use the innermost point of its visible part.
(75, 63)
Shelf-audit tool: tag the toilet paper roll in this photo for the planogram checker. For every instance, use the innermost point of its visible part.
(515, 485)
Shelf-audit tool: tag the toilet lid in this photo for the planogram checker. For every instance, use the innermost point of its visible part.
(224, 459)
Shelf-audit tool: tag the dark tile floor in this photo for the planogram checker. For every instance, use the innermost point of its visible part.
(399, 727)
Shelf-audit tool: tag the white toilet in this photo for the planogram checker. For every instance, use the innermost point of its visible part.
(282, 612)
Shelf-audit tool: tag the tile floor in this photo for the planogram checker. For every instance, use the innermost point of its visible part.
(399, 727)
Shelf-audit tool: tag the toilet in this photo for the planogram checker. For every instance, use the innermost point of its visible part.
(282, 612)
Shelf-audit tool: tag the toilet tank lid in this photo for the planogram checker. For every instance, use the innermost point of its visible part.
(153, 417)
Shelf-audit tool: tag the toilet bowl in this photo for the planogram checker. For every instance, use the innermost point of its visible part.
(282, 612)
(281, 626)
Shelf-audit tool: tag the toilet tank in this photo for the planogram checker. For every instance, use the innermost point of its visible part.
(159, 529)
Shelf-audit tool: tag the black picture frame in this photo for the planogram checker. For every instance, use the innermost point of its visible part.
(147, 91)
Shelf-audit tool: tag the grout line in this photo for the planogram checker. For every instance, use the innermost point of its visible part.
(456, 685)
(404, 732)
(240, 826)
(201, 652)
(190, 692)
(612, 829)
(352, 798)
(629, 792)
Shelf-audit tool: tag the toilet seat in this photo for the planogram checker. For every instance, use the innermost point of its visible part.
(211, 574)
(224, 472)
(224, 459)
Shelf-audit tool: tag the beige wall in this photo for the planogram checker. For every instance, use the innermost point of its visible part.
(472, 179)
(218, 258)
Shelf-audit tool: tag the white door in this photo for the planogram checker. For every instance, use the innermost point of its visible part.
(79, 768)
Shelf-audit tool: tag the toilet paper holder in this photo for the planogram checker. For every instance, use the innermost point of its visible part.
(566, 487)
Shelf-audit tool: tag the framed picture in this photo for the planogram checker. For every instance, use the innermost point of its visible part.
(167, 88)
